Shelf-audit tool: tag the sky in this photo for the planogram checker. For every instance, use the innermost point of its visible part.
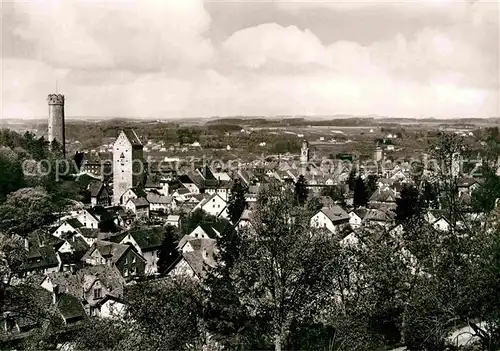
(182, 58)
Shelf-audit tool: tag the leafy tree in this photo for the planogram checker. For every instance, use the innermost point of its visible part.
(194, 219)
(314, 204)
(483, 198)
(12, 173)
(360, 197)
(280, 274)
(301, 191)
(26, 210)
(408, 205)
(429, 197)
(168, 253)
(371, 184)
(236, 202)
(166, 314)
(351, 181)
(336, 193)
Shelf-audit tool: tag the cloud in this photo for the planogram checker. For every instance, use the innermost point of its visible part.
(156, 59)
(140, 36)
(272, 44)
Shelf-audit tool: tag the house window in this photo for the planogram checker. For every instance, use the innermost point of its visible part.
(134, 271)
(125, 272)
(97, 293)
(133, 259)
(126, 260)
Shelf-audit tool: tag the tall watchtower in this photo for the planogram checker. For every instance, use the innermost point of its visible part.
(56, 120)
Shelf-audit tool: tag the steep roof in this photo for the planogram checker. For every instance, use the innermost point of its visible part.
(41, 257)
(132, 137)
(95, 188)
(198, 263)
(140, 202)
(107, 249)
(74, 222)
(147, 238)
(70, 307)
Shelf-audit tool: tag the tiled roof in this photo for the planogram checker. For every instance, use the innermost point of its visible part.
(70, 307)
(41, 257)
(335, 213)
(140, 202)
(147, 238)
(74, 222)
(95, 188)
(159, 199)
(107, 249)
(197, 263)
(132, 137)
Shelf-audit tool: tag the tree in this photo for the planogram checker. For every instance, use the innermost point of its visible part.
(360, 197)
(168, 253)
(351, 181)
(26, 210)
(166, 315)
(371, 184)
(194, 219)
(313, 205)
(408, 205)
(12, 177)
(301, 191)
(281, 273)
(483, 198)
(236, 202)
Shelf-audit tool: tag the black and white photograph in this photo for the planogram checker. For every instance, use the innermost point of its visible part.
(278, 175)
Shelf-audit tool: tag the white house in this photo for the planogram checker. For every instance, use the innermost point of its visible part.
(214, 205)
(159, 203)
(330, 218)
(139, 206)
(442, 224)
(356, 218)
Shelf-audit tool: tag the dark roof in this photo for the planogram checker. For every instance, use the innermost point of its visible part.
(211, 228)
(74, 222)
(95, 188)
(107, 249)
(89, 233)
(75, 283)
(147, 238)
(41, 257)
(140, 202)
(100, 213)
(197, 263)
(70, 307)
(132, 137)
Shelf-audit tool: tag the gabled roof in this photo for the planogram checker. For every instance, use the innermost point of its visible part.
(74, 222)
(383, 196)
(147, 238)
(74, 283)
(100, 213)
(70, 307)
(378, 216)
(159, 199)
(41, 257)
(140, 202)
(95, 188)
(335, 213)
(197, 263)
(360, 212)
(108, 250)
(467, 182)
(132, 137)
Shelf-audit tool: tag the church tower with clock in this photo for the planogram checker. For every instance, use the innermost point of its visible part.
(304, 157)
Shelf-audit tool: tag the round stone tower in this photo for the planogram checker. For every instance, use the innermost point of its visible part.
(56, 120)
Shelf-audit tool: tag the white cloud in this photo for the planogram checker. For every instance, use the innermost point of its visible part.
(148, 35)
(272, 44)
(155, 59)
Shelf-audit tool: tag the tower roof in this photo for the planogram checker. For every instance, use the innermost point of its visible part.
(132, 137)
